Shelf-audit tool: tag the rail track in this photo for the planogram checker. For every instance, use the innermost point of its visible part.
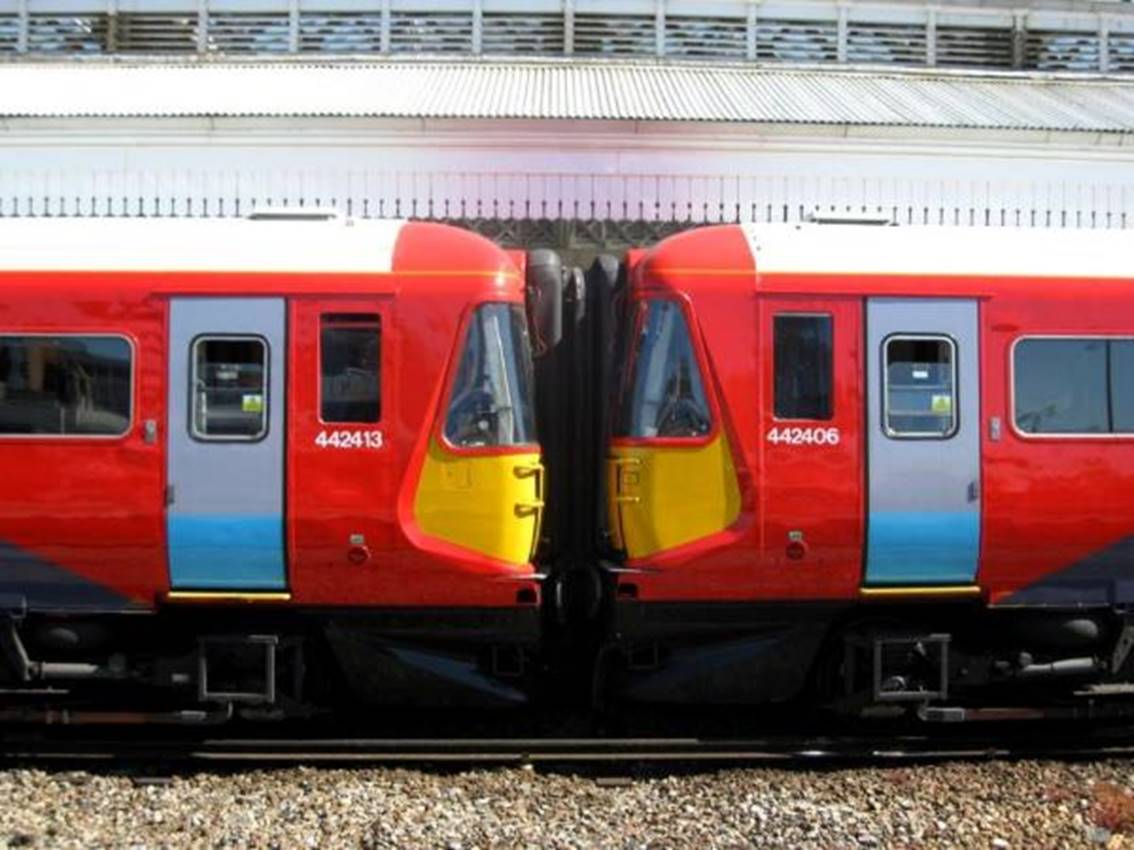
(778, 750)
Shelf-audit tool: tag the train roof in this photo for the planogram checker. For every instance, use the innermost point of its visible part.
(198, 255)
(868, 249)
(323, 244)
(786, 257)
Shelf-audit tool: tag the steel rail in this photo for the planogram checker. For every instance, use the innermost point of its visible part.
(795, 752)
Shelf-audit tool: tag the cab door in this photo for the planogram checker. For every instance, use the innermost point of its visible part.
(342, 477)
(923, 374)
(224, 496)
(810, 468)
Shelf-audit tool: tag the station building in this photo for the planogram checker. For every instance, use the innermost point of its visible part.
(577, 124)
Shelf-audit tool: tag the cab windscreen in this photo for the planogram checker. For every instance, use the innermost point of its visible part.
(490, 403)
(663, 395)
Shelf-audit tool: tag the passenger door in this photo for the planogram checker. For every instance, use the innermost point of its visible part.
(810, 468)
(224, 498)
(923, 526)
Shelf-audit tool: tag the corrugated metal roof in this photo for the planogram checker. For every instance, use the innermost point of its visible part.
(555, 89)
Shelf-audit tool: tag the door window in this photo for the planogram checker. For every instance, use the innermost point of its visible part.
(350, 346)
(230, 389)
(803, 365)
(919, 387)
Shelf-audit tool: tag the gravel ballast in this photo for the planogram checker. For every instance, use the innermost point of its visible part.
(964, 805)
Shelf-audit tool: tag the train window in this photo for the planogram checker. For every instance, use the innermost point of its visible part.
(65, 385)
(350, 346)
(1121, 374)
(230, 388)
(663, 394)
(1073, 386)
(920, 387)
(490, 403)
(803, 364)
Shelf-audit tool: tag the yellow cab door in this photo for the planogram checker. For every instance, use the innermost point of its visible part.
(671, 474)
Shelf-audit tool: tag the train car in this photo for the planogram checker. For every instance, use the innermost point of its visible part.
(880, 468)
(244, 459)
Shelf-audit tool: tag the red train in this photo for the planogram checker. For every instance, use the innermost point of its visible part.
(876, 464)
(206, 427)
(275, 463)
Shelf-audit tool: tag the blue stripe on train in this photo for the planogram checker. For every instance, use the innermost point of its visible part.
(230, 551)
(922, 547)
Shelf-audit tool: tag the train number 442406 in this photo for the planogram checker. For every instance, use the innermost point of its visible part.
(790, 436)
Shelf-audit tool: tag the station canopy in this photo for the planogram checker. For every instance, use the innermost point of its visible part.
(573, 89)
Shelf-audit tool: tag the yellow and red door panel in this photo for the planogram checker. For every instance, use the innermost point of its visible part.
(672, 477)
(481, 483)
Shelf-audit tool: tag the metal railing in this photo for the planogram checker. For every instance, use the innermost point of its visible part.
(1068, 36)
(503, 199)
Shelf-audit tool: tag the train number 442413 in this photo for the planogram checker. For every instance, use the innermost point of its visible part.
(794, 436)
(349, 439)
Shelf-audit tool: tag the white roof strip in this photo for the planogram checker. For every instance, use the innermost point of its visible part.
(232, 245)
(956, 251)
(579, 89)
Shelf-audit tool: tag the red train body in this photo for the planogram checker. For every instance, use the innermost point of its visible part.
(259, 463)
(927, 437)
(130, 346)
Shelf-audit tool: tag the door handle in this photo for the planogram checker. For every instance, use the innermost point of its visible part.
(973, 491)
(532, 507)
(626, 474)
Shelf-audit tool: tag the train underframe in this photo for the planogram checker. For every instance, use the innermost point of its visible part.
(928, 663)
(950, 662)
(208, 666)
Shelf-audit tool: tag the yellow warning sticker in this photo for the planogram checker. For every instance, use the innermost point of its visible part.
(942, 404)
(252, 403)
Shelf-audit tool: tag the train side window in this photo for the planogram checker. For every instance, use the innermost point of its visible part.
(229, 389)
(350, 367)
(1121, 376)
(803, 363)
(663, 395)
(1073, 386)
(65, 385)
(920, 387)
